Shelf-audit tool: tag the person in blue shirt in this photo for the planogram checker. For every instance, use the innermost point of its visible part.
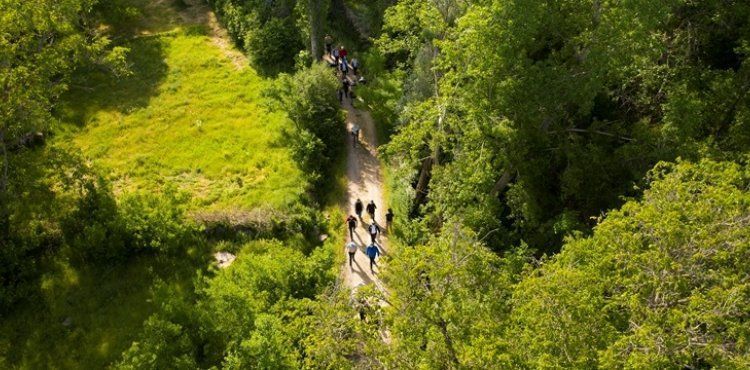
(372, 252)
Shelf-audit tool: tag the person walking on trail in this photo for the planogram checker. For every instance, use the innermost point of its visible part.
(371, 209)
(388, 219)
(355, 134)
(351, 221)
(374, 230)
(335, 55)
(372, 252)
(355, 66)
(351, 248)
(358, 207)
(329, 42)
(344, 92)
(342, 52)
(344, 67)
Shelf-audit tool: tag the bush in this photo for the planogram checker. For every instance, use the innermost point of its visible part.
(266, 30)
(309, 98)
(100, 230)
(94, 230)
(273, 46)
(162, 345)
(156, 223)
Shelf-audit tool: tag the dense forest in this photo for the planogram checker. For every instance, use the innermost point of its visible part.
(570, 182)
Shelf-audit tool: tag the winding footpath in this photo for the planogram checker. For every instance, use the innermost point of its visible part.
(364, 181)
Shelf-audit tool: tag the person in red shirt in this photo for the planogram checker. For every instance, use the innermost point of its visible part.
(342, 52)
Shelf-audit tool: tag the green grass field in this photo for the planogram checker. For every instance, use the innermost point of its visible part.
(188, 117)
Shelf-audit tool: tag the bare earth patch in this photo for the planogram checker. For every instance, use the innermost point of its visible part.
(224, 259)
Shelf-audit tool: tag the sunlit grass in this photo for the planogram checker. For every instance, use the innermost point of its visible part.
(190, 119)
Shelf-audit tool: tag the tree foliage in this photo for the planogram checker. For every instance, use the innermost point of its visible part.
(661, 283)
(539, 115)
(41, 43)
(309, 98)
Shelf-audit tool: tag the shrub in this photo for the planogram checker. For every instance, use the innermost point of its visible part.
(266, 30)
(94, 230)
(101, 230)
(161, 345)
(309, 98)
(156, 223)
(273, 46)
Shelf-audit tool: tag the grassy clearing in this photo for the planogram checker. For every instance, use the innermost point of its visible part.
(186, 117)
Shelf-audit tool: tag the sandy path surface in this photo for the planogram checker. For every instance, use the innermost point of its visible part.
(364, 181)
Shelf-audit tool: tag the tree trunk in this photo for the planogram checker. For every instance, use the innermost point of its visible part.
(315, 14)
(503, 181)
(424, 180)
(448, 343)
(4, 176)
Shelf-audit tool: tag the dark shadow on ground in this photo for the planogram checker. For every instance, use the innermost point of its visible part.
(95, 89)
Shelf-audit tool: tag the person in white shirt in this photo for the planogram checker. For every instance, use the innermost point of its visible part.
(374, 229)
(351, 248)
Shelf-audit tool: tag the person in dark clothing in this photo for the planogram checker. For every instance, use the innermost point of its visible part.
(344, 67)
(371, 209)
(372, 252)
(358, 207)
(388, 219)
(374, 230)
(345, 88)
(351, 221)
(335, 55)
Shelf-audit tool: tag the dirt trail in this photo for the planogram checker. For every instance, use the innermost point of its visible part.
(364, 181)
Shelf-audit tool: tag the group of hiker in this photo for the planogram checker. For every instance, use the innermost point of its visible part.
(372, 251)
(340, 60)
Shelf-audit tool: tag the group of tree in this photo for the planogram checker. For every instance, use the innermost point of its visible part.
(536, 117)
(660, 283)
(274, 32)
(571, 178)
(41, 44)
(573, 182)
